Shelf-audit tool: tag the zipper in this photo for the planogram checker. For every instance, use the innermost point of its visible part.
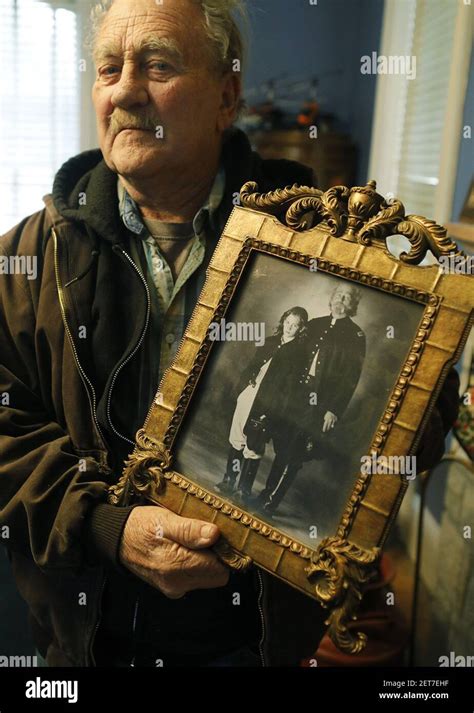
(262, 617)
(97, 624)
(132, 354)
(134, 627)
(91, 395)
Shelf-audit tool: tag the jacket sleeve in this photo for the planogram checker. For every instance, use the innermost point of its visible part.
(47, 488)
(432, 445)
(350, 378)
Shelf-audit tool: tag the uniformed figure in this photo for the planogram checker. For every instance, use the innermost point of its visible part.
(325, 375)
(262, 382)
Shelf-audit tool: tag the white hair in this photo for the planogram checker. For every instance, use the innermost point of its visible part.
(225, 37)
(356, 296)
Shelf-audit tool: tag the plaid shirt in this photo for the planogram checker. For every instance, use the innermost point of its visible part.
(171, 302)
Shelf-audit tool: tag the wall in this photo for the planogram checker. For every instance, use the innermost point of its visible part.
(296, 40)
(466, 150)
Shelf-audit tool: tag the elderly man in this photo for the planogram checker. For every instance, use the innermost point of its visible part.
(122, 248)
(325, 375)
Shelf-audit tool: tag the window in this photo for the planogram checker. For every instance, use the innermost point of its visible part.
(40, 102)
(418, 122)
(426, 98)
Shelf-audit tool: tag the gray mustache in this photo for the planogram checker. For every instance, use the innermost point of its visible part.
(117, 123)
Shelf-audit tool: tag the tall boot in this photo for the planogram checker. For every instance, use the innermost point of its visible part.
(233, 469)
(275, 496)
(278, 466)
(250, 468)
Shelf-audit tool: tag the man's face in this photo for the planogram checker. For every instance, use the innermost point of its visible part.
(159, 102)
(342, 302)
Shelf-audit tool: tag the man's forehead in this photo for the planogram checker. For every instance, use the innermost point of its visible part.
(112, 44)
(147, 9)
(129, 27)
(349, 289)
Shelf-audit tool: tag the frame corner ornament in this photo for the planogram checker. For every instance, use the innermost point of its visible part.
(143, 471)
(232, 558)
(358, 214)
(338, 571)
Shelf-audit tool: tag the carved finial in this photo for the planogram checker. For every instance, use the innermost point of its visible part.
(364, 203)
(359, 214)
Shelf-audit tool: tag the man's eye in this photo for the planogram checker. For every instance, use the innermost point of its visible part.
(160, 66)
(108, 71)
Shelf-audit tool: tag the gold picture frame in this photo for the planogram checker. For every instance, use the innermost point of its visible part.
(341, 233)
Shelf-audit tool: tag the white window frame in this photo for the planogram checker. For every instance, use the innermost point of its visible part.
(88, 130)
(88, 136)
(391, 95)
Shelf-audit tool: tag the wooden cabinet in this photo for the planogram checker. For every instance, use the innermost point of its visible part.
(331, 155)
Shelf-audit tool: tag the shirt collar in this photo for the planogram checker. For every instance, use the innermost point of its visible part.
(130, 213)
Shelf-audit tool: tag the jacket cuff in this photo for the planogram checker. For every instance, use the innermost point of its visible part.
(103, 532)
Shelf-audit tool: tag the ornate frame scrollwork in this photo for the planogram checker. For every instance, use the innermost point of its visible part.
(143, 471)
(344, 230)
(339, 571)
(360, 213)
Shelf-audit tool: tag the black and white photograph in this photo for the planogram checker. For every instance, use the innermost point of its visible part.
(296, 384)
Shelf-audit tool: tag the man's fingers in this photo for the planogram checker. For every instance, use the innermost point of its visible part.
(189, 532)
(198, 570)
(170, 552)
(171, 594)
(185, 570)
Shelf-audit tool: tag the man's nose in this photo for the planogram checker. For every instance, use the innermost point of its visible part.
(130, 90)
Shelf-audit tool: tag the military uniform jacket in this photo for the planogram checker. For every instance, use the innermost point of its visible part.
(340, 350)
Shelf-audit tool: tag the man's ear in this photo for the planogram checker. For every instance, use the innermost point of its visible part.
(230, 100)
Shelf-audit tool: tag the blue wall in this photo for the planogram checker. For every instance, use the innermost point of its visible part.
(299, 40)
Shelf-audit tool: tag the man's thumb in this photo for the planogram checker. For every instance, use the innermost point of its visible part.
(190, 532)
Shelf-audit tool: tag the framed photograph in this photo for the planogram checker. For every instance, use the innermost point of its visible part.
(299, 394)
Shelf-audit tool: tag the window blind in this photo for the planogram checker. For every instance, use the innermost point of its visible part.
(425, 104)
(39, 102)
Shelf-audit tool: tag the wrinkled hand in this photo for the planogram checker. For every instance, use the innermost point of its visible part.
(329, 421)
(171, 553)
